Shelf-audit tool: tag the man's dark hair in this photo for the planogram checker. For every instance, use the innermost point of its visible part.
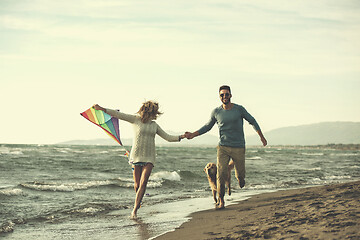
(224, 87)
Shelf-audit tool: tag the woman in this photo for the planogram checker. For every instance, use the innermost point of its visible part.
(142, 155)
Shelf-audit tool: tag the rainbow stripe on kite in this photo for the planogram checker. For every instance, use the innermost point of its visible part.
(108, 123)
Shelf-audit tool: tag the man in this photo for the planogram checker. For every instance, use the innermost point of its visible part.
(229, 117)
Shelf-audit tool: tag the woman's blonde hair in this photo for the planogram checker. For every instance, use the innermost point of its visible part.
(149, 111)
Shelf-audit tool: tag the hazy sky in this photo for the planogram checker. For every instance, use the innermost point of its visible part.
(288, 62)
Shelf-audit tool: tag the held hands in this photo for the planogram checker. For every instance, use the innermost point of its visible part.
(190, 135)
(187, 135)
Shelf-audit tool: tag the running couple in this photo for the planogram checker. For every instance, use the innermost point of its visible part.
(228, 116)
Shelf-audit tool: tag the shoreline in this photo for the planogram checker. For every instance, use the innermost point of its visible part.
(320, 212)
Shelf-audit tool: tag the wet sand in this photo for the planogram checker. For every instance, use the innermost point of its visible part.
(325, 212)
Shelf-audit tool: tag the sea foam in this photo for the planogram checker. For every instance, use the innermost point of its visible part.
(64, 187)
(172, 176)
(11, 192)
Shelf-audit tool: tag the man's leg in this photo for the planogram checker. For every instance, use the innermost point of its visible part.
(223, 159)
(238, 156)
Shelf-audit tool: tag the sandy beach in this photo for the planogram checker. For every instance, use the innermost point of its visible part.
(324, 212)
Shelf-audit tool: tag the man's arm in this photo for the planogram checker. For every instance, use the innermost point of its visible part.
(248, 117)
(255, 125)
(207, 127)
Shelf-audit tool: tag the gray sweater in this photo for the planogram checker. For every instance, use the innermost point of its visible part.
(230, 123)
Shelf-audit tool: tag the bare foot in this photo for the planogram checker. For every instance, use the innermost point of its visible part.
(133, 215)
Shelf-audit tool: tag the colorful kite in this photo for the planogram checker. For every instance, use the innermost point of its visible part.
(108, 123)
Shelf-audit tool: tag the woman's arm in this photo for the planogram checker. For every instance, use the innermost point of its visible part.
(168, 137)
(122, 116)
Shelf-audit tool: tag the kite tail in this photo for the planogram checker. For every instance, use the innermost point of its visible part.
(127, 153)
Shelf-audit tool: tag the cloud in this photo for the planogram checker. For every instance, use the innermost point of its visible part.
(22, 23)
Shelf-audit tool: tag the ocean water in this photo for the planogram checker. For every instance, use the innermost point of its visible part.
(86, 192)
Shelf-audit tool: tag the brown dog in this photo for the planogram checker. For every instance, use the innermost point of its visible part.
(211, 172)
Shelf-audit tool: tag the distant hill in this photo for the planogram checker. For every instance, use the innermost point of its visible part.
(311, 134)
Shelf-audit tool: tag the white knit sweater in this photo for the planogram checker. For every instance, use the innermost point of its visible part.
(143, 148)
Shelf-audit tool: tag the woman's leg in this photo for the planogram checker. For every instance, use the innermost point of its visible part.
(137, 175)
(144, 178)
